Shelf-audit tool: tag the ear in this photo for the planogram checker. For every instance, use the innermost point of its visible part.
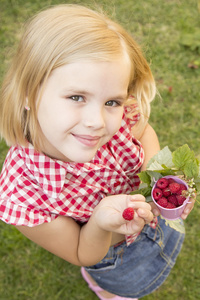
(27, 106)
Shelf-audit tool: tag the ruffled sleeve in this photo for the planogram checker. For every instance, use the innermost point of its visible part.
(22, 200)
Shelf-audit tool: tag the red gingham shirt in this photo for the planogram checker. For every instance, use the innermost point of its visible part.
(35, 188)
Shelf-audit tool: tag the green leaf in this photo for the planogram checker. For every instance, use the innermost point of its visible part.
(149, 199)
(144, 177)
(154, 166)
(162, 158)
(144, 191)
(154, 176)
(191, 169)
(166, 172)
(181, 156)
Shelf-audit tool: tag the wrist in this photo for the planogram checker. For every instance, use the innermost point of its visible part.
(94, 242)
(97, 227)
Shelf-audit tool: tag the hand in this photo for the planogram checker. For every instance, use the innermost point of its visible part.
(188, 208)
(108, 214)
(154, 208)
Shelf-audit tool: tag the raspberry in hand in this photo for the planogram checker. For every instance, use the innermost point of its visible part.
(128, 214)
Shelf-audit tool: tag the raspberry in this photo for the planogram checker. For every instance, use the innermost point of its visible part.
(180, 199)
(182, 188)
(162, 202)
(169, 193)
(128, 214)
(172, 199)
(157, 193)
(162, 183)
(174, 187)
(171, 180)
(166, 192)
(170, 205)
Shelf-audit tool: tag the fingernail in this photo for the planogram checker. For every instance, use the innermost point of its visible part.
(155, 212)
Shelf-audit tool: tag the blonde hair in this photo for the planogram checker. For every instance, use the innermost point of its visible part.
(53, 38)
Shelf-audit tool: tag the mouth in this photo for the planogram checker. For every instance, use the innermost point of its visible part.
(87, 140)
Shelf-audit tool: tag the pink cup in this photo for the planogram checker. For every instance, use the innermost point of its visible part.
(172, 213)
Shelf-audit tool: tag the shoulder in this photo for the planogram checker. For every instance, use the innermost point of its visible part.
(131, 115)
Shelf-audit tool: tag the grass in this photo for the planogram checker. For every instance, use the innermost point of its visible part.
(28, 272)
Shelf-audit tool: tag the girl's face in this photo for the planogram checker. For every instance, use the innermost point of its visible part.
(82, 107)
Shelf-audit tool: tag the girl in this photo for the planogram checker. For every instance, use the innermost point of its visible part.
(74, 109)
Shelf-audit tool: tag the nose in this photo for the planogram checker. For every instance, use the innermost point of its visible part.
(94, 117)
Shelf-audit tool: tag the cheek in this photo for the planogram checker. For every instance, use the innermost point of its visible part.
(50, 115)
(115, 122)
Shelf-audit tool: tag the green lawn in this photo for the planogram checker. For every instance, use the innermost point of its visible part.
(163, 28)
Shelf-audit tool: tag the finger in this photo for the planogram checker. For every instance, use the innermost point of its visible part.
(155, 210)
(188, 208)
(137, 197)
(147, 215)
(140, 204)
(143, 209)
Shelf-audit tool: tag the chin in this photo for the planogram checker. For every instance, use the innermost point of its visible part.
(83, 159)
(79, 156)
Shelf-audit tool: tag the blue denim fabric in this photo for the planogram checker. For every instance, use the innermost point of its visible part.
(139, 269)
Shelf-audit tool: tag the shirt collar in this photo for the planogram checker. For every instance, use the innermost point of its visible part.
(51, 173)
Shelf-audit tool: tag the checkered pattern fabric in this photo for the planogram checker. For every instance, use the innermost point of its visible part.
(35, 188)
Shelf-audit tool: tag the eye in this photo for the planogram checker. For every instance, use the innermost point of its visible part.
(77, 98)
(113, 103)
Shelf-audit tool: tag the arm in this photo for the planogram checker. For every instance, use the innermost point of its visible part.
(88, 244)
(66, 239)
(150, 143)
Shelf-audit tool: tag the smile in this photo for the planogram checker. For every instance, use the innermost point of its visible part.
(87, 140)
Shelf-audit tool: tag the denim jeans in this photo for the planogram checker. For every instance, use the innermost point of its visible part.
(140, 268)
